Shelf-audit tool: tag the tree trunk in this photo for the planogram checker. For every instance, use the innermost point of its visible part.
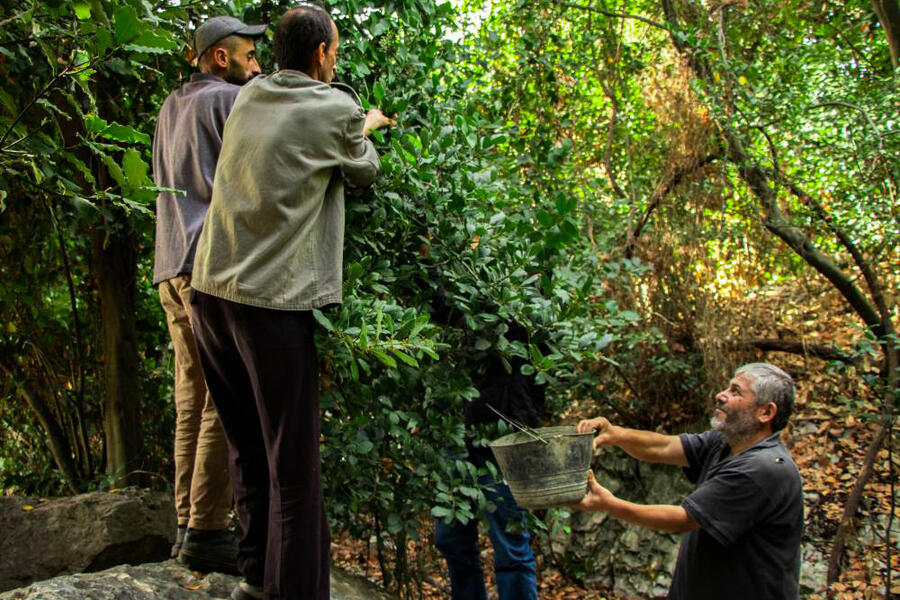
(888, 12)
(56, 438)
(876, 315)
(114, 270)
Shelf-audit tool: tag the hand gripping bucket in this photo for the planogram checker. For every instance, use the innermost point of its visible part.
(545, 467)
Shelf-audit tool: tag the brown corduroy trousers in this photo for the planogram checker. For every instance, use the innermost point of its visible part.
(203, 495)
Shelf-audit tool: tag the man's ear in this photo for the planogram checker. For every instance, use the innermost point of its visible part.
(767, 412)
(220, 57)
(320, 53)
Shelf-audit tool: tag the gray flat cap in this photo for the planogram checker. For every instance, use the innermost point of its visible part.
(219, 28)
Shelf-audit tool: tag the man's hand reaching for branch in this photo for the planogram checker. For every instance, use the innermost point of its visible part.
(375, 119)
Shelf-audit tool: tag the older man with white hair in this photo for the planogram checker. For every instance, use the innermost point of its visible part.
(744, 520)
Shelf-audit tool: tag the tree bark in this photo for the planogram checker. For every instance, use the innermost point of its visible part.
(888, 12)
(114, 270)
(875, 314)
(56, 437)
(798, 347)
(113, 266)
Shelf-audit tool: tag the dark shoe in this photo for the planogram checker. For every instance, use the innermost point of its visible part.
(245, 591)
(179, 540)
(207, 551)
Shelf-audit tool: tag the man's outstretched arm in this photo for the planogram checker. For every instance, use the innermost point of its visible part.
(661, 517)
(647, 446)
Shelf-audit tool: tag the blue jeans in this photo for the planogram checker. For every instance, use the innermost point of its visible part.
(514, 564)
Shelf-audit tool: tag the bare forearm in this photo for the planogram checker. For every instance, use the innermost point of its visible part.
(661, 517)
(648, 446)
(375, 119)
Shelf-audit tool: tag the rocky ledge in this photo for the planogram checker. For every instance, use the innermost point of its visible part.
(170, 581)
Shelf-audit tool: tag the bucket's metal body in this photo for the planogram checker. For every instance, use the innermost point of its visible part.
(541, 475)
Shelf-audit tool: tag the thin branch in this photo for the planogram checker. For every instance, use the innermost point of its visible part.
(18, 41)
(759, 178)
(9, 20)
(891, 514)
(37, 97)
(77, 342)
(609, 92)
(666, 184)
(607, 13)
(860, 110)
(800, 347)
(855, 50)
(56, 437)
(865, 267)
(772, 151)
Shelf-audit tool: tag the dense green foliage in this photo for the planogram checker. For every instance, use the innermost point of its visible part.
(615, 179)
(451, 210)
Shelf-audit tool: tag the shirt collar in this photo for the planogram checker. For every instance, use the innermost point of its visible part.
(195, 77)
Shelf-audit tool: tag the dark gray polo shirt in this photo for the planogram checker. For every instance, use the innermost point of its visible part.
(750, 511)
(185, 150)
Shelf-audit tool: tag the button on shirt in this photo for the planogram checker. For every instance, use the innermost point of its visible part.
(273, 236)
(750, 511)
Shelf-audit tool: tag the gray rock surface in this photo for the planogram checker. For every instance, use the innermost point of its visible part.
(612, 555)
(133, 528)
(90, 532)
(168, 581)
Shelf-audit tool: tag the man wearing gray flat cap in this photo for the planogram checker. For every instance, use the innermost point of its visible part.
(231, 39)
(185, 151)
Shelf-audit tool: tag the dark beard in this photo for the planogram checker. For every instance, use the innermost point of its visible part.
(235, 74)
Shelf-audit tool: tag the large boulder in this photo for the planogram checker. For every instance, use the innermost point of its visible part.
(168, 581)
(89, 532)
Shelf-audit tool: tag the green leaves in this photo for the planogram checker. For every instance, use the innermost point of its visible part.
(127, 25)
(153, 42)
(135, 169)
(82, 10)
(115, 131)
(322, 320)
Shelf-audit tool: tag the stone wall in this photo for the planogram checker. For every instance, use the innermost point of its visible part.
(607, 554)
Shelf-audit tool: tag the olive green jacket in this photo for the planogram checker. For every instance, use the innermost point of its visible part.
(274, 232)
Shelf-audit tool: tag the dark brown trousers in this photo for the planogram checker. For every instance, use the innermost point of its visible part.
(262, 372)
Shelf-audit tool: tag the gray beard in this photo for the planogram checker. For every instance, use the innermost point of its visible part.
(735, 427)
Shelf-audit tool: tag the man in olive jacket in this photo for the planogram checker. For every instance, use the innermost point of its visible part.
(270, 252)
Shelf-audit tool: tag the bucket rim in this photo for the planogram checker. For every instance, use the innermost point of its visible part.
(519, 438)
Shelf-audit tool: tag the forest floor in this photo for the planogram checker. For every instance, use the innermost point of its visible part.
(828, 440)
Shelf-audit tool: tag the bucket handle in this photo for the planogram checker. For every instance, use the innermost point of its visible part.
(521, 427)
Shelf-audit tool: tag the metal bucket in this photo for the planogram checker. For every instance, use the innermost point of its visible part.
(541, 475)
